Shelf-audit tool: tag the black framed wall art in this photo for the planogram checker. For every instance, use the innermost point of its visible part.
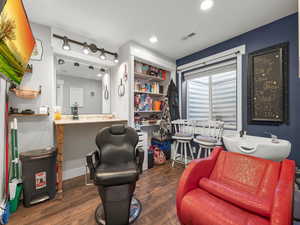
(268, 85)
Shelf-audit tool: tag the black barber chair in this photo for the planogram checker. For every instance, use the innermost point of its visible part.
(115, 168)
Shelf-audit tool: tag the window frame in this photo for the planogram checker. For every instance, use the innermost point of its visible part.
(210, 96)
(236, 53)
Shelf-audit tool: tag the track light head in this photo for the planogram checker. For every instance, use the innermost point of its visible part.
(102, 55)
(116, 59)
(76, 64)
(93, 48)
(86, 48)
(66, 45)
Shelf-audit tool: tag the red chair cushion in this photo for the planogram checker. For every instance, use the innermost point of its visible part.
(246, 181)
(202, 208)
(242, 199)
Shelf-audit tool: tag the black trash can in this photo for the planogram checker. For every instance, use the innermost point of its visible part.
(39, 175)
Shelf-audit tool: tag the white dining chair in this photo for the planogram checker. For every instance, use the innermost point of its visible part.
(209, 136)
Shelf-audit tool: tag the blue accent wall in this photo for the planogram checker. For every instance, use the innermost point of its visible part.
(283, 30)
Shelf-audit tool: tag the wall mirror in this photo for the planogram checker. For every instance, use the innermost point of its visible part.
(82, 83)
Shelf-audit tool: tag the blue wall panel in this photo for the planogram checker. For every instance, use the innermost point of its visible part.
(283, 30)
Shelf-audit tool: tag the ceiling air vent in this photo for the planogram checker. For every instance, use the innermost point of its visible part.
(190, 35)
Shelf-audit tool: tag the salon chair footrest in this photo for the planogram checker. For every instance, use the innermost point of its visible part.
(135, 211)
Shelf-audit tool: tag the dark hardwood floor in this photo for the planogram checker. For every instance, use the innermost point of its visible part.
(156, 189)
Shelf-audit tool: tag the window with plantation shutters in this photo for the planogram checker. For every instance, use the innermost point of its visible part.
(212, 93)
(198, 98)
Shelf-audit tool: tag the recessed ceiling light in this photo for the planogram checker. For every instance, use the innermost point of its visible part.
(102, 71)
(99, 75)
(61, 61)
(206, 4)
(153, 39)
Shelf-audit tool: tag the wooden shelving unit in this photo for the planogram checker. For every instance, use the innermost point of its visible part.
(147, 77)
(158, 89)
(152, 111)
(26, 93)
(148, 93)
(27, 115)
(147, 124)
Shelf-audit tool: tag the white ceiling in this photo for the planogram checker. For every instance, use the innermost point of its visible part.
(114, 22)
(81, 71)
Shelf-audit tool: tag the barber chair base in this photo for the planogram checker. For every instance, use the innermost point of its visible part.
(135, 211)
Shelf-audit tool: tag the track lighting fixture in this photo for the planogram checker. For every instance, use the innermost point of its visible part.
(116, 59)
(102, 55)
(66, 46)
(91, 67)
(61, 62)
(86, 49)
(76, 64)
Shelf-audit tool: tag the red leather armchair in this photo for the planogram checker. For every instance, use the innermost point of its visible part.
(234, 189)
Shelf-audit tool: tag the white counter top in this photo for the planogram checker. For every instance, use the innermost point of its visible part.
(85, 119)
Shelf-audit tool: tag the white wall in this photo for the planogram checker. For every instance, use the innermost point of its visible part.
(35, 133)
(91, 104)
(120, 105)
(2, 138)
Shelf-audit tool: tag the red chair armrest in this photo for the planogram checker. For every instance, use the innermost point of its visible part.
(283, 199)
(193, 173)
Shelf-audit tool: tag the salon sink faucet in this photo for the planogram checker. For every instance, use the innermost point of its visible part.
(273, 136)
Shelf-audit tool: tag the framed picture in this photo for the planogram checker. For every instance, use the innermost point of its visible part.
(16, 41)
(2, 3)
(37, 53)
(268, 85)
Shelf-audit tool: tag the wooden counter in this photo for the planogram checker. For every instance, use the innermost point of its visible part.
(105, 120)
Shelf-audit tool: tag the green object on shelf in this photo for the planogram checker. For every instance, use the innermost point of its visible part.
(14, 203)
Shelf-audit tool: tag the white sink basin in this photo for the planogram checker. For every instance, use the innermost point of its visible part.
(258, 146)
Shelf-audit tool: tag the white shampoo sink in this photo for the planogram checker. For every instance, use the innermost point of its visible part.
(258, 146)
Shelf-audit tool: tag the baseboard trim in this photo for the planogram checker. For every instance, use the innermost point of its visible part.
(71, 173)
